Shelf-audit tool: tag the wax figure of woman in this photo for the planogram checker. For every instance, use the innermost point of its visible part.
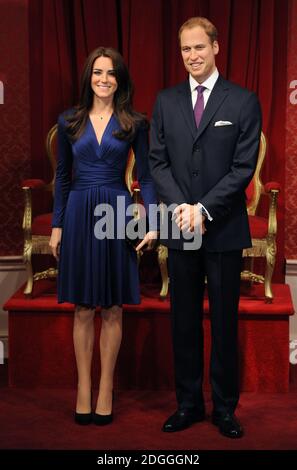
(94, 140)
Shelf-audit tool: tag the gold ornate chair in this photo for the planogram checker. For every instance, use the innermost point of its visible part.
(133, 186)
(263, 230)
(37, 228)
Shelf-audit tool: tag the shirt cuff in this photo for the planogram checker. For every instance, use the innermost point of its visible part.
(205, 212)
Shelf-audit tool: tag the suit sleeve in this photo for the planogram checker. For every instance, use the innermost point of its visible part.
(166, 185)
(148, 192)
(63, 175)
(218, 201)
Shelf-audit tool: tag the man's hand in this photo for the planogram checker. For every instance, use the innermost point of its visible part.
(189, 218)
(150, 240)
(55, 241)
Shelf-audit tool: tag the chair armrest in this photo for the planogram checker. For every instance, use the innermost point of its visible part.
(272, 186)
(135, 186)
(33, 184)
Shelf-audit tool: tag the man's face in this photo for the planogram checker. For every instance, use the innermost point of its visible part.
(198, 53)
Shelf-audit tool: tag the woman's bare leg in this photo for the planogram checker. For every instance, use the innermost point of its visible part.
(110, 341)
(83, 339)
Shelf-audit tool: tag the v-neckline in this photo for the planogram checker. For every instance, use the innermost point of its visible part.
(94, 132)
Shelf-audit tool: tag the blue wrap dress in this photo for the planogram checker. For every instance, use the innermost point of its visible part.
(94, 271)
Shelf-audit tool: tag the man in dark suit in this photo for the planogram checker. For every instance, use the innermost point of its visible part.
(205, 137)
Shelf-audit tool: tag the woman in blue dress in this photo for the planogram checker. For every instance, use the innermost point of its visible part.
(94, 140)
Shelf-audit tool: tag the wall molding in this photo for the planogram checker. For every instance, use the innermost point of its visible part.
(4, 339)
(12, 276)
(291, 267)
(291, 280)
(12, 263)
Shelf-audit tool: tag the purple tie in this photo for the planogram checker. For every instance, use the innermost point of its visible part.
(199, 105)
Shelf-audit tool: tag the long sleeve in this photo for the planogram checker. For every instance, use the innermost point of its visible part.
(141, 147)
(63, 175)
(160, 165)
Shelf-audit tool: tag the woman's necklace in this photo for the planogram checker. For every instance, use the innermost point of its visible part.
(104, 116)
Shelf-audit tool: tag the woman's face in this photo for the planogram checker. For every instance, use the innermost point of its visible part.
(103, 80)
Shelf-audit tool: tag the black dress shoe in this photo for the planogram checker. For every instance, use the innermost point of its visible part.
(182, 419)
(228, 425)
(83, 418)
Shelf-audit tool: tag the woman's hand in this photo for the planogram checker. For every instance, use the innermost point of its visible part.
(55, 241)
(149, 240)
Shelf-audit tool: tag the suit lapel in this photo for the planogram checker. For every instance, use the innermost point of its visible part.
(185, 102)
(217, 96)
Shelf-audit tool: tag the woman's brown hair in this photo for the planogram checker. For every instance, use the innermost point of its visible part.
(129, 119)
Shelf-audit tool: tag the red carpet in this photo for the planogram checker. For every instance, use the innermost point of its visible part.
(42, 419)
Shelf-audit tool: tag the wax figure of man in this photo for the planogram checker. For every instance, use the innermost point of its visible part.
(205, 136)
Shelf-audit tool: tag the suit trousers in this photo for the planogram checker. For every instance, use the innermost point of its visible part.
(188, 271)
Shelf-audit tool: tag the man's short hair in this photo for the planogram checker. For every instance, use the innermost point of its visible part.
(204, 23)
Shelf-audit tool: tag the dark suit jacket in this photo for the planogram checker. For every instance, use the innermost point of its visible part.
(212, 165)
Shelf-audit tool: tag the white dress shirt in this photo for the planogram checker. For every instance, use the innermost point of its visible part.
(209, 83)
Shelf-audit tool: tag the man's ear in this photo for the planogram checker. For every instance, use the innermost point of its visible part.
(215, 46)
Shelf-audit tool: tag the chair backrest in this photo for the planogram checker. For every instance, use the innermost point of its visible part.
(256, 187)
(52, 152)
(130, 176)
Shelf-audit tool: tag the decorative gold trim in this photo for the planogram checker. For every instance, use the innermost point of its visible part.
(257, 250)
(49, 273)
(258, 185)
(41, 245)
(272, 219)
(51, 150)
(27, 226)
(129, 170)
(249, 276)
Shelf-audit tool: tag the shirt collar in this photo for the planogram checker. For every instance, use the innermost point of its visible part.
(209, 83)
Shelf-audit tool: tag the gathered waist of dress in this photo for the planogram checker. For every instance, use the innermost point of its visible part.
(89, 180)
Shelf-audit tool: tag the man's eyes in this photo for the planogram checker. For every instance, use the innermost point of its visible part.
(197, 48)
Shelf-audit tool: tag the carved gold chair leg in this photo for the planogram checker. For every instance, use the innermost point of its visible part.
(270, 263)
(162, 261)
(28, 265)
(271, 245)
(27, 254)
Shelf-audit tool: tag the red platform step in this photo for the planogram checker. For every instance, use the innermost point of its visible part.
(41, 350)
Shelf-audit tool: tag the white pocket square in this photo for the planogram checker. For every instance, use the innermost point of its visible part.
(223, 123)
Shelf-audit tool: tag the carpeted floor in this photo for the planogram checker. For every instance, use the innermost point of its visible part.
(43, 419)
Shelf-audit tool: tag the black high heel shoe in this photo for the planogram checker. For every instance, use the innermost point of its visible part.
(103, 420)
(84, 418)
